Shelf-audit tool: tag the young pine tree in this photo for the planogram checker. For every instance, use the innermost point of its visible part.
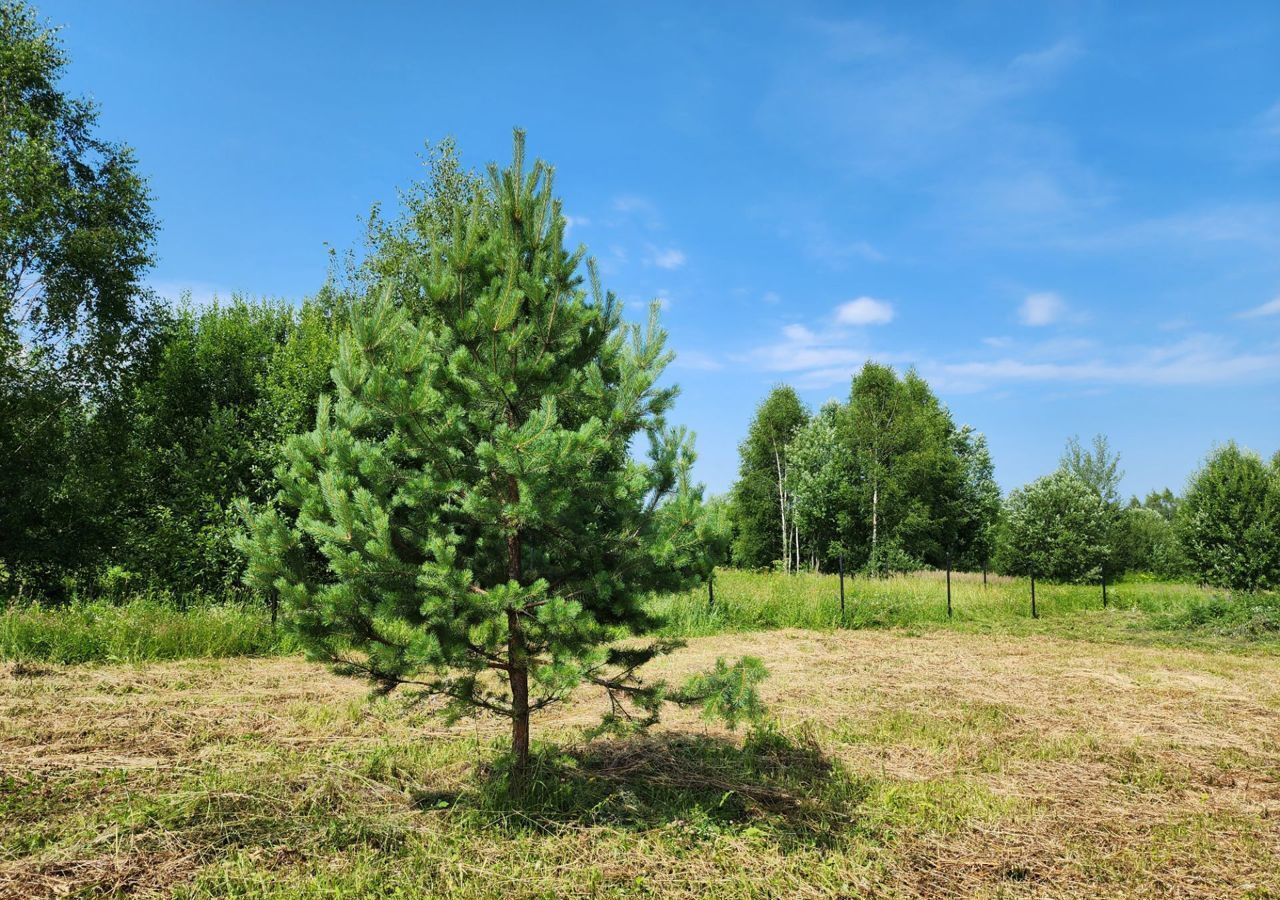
(467, 517)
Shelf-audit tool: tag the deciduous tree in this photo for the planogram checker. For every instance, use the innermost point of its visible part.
(1230, 520)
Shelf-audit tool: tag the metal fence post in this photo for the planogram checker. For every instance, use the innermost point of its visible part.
(841, 587)
(1034, 614)
(948, 585)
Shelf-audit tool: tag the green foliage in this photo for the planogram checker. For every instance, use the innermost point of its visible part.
(728, 692)
(466, 516)
(76, 237)
(1229, 521)
(1098, 466)
(819, 479)
(887, 480)
(207, 418)
(760, 505)
(1146, 541)
(1055, 528)
(76, 229)
(976, 510)
(923, 489)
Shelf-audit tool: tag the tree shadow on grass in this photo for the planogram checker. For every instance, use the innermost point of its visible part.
(697, 785)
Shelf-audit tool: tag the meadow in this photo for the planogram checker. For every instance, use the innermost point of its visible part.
(944, 764)
(149, 629)
(1089, 752)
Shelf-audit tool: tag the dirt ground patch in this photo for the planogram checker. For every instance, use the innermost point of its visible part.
(985, 766)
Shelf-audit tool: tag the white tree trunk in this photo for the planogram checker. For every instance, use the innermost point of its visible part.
(782, 509)
(875, 511)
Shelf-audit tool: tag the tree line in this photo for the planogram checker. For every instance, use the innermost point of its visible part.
(886, 482)
(130, 426)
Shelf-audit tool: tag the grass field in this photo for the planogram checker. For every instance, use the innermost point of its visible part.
(1148, 613)
(1137, 612)
(943, 764)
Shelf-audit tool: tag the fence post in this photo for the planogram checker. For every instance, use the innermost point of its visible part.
(948, 585)
(711, 590)
(841, 587)
(1034, 614)
(984, 573)
(1104, 587)
(275, 607)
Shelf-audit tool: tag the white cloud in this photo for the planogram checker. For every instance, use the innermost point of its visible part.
(1041, 309)
(670, 258)
(864, 311)
(770, 297)
(572, 222)
(1270, 308)
(802, 350)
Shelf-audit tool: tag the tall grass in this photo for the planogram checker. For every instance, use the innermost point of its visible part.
(749, 601)
(135, 631)
(150, 629)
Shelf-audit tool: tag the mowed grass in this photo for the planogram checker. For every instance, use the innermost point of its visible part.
(943, 764)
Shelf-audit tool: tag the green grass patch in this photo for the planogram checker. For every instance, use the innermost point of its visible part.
(1137, 612)
(136, 631)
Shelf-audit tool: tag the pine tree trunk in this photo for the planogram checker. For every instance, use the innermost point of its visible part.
(519, 673)
(517, 658)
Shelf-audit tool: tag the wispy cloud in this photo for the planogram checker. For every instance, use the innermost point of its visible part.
(810, 355)
(802, 222)
(1247, 226)
(880, 105)
(640, 208)
(1041, 309)
(825, 354)
(1269, 122)
(864, 311)
(669, 258)
(1197, 360)
(813, 358)
(1270, 308)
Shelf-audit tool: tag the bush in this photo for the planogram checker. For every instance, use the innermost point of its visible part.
(1229, 522)
(1054, 528)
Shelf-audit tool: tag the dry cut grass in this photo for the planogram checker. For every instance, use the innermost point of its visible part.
(943, 765)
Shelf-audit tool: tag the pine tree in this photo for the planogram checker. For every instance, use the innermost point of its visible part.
(466, 518)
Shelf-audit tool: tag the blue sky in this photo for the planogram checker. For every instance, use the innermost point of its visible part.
(1066, 216)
